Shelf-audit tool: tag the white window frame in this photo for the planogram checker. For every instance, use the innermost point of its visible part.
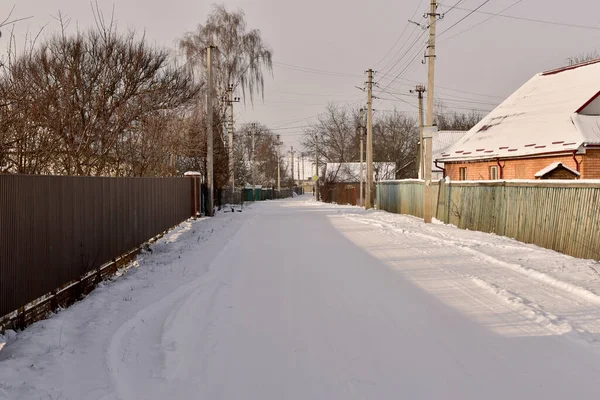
(494, 175)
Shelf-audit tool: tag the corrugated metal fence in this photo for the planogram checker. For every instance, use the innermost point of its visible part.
(562, 216)
(55, 229)
(341, 193)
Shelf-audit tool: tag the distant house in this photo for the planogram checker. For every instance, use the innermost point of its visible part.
(550, 127)
(442, 142)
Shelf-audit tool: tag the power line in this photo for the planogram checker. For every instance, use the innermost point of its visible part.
(541, 21)
(484, 21)
(309, 94)
(416, 54)
(453, 99)
(299, 68)
(465, 17)
(454, 6)
(401, 34)
(283, 127)
(454, 90)
(413, 45)
(385, 69)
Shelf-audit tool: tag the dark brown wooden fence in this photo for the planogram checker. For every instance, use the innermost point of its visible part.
(56, 229)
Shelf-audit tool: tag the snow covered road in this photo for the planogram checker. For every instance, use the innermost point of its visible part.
(300, 300)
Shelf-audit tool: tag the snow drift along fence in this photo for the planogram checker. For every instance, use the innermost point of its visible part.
(56, 229)
(561, 216)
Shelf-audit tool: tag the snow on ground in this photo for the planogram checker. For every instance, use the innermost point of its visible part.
(295, 299)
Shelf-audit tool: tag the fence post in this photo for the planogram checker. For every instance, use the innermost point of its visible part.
(195, 200)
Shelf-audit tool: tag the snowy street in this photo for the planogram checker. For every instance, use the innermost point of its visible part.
(295, 299)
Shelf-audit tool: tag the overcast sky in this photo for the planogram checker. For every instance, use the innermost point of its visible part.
(475, 69)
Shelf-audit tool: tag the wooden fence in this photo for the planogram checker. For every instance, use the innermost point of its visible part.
(562, 216)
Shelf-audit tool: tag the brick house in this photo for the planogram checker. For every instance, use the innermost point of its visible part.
(549, 127)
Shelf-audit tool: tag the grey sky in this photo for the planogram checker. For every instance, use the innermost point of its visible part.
(349, 37)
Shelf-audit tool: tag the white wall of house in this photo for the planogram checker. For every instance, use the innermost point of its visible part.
(437, 175)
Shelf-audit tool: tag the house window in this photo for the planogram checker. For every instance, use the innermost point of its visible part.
(494, 172)
(462, 173)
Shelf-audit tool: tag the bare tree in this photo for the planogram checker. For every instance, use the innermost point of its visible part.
(266, 151)
(241, 59)
(395, 139)
(447, 120)
(92, 103)
(395, 142)
(584, 57)
(337, 136)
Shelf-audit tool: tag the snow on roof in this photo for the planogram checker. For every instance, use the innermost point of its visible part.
(544, 115)
(554, 166)
(350, 172)
(443, 141)
(192, 173)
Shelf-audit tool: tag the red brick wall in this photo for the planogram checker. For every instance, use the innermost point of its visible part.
(514, 169)
(590, 166)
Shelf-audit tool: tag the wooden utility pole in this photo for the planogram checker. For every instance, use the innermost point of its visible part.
(361, 132)
(419, 89)
(230, 102)
(209, 123)
(368, 195)
(427, 193)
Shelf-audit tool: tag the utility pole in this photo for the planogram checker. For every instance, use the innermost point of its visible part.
(427, 193)
(303, 176)
(209, 123)
(361, 132)
(317, 167)
(230, 102)
(368, 195)
(419, 89)
(292, 153)
(278, 165)
(253, 161)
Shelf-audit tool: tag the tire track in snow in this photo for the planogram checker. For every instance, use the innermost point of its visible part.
(569, 309)
(578, 291)
(139, 344)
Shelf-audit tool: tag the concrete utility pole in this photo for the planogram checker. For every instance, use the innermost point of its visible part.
(419, 89)
(253, 162)
(278, 165)
(298, 161)
(209, 123)
(368, 195)
(292, 153)
(361, 132)
(230, 102)
(303, 176)
(317, 167)
(427, 194)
